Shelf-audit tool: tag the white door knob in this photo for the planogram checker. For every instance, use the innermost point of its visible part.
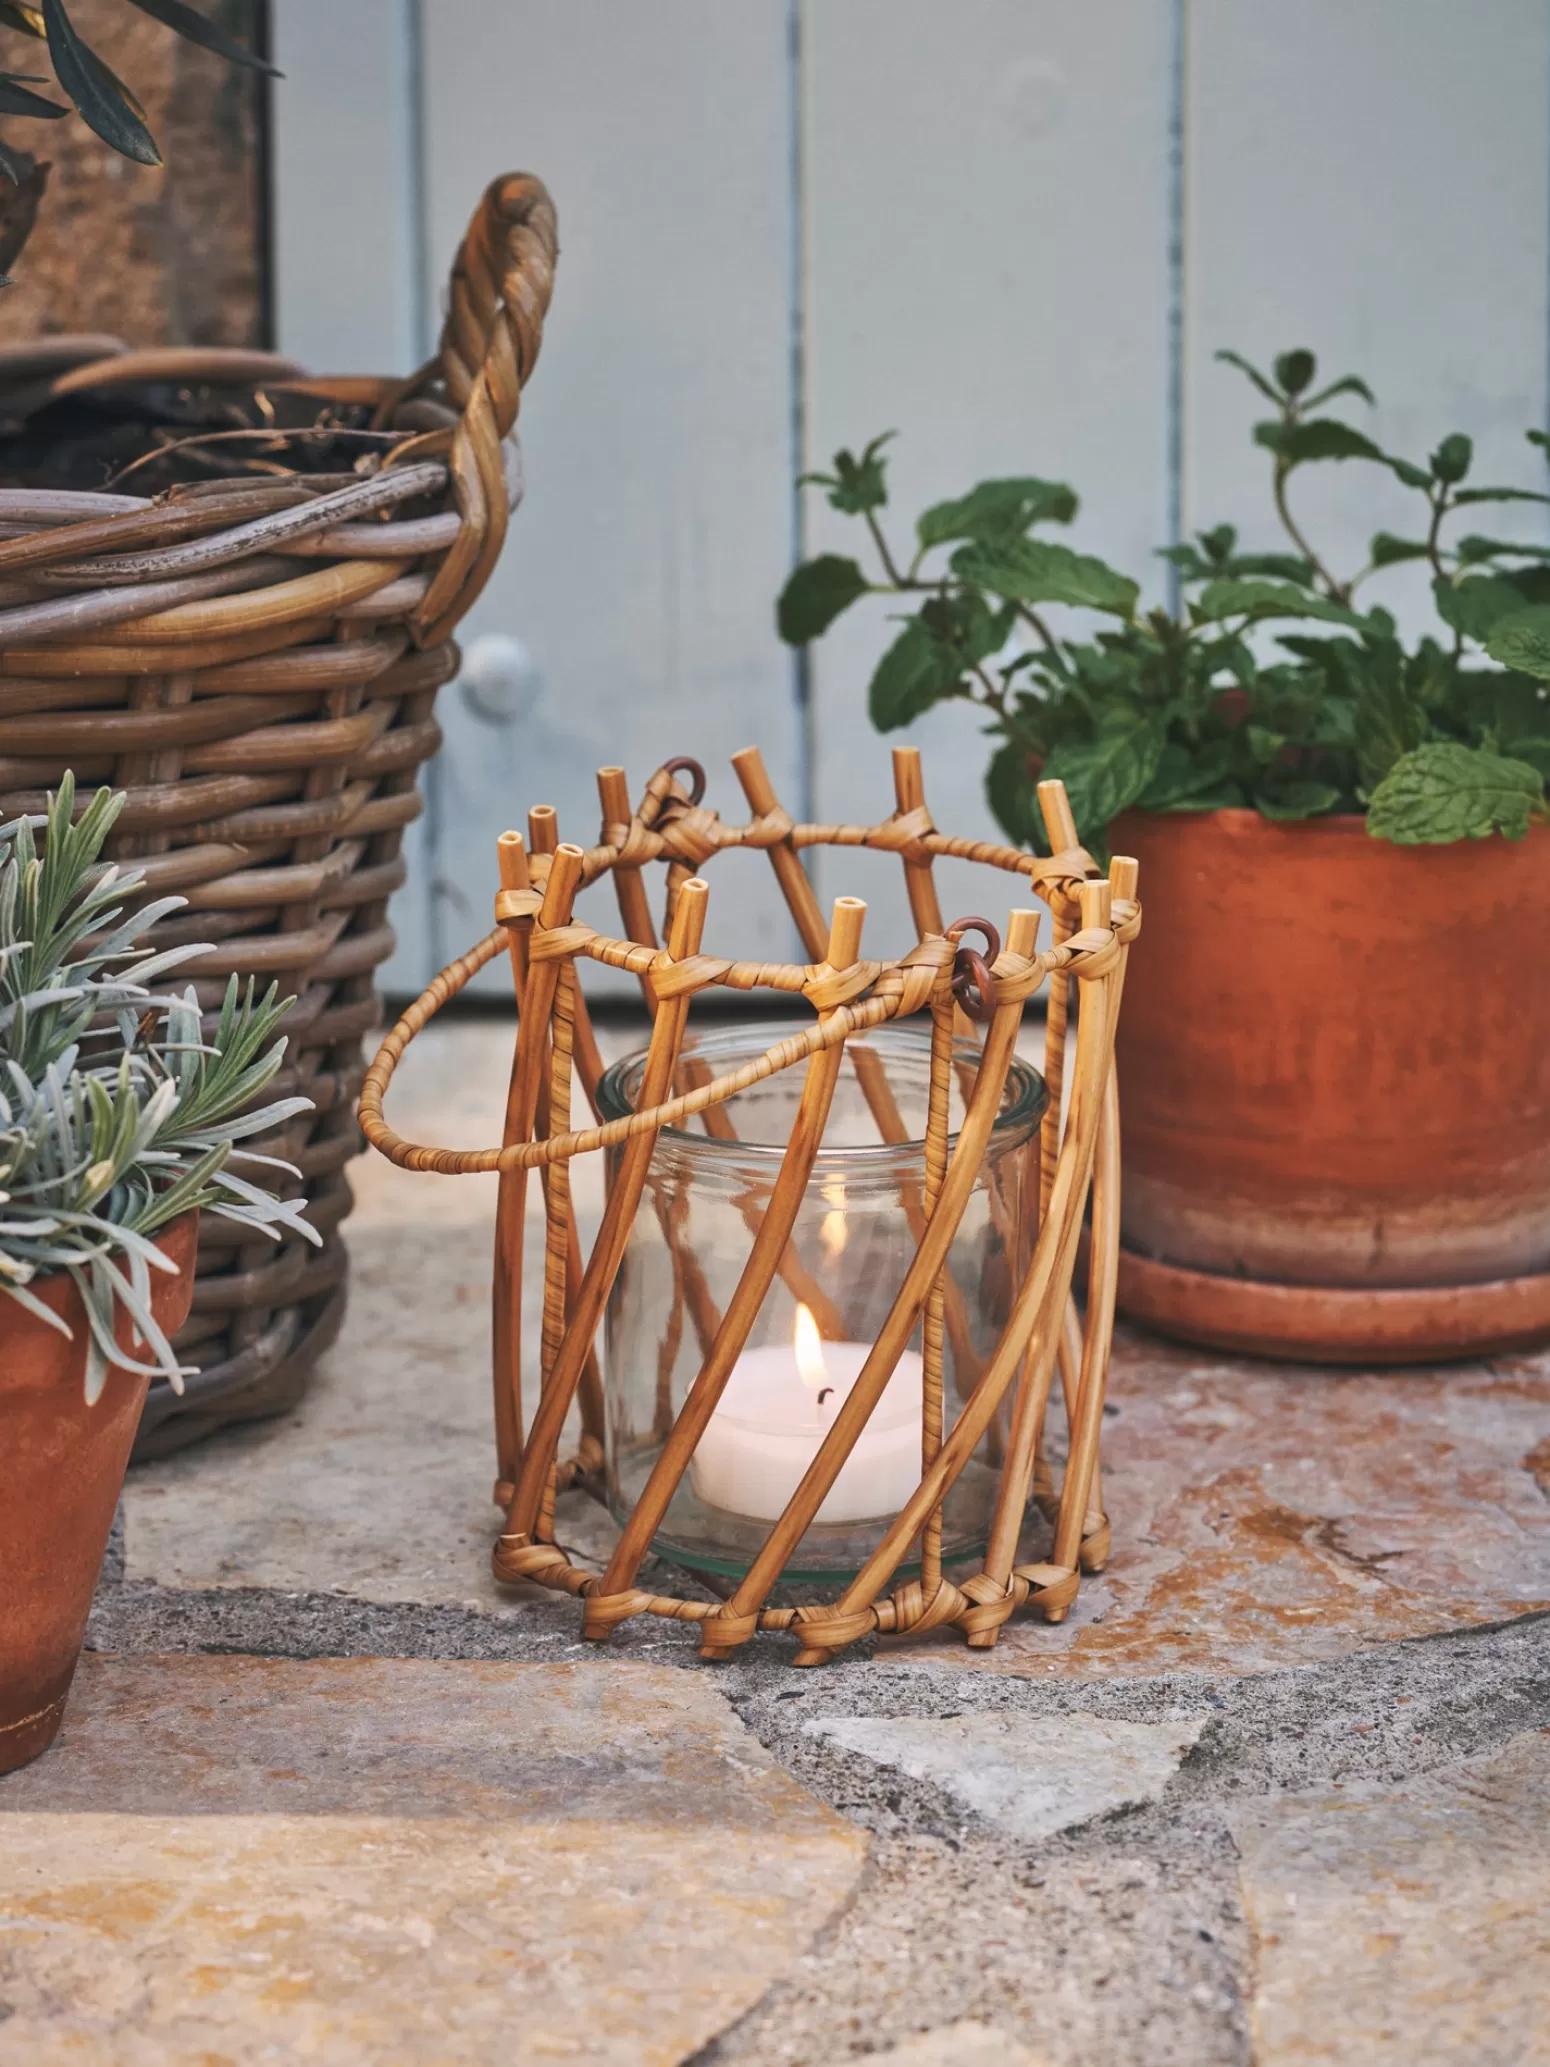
(499, 678)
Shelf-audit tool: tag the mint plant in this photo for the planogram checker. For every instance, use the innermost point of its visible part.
(1277, 686)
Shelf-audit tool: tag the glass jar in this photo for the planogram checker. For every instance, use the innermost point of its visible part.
(855, 1235)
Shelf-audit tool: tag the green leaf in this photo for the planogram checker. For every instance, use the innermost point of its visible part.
(815, 595)
(1390, 723)
(1474, 605)
(1521, 640)
(1473, 548)
(15, 15)
(103, 101)
(1012, 793)
(1451, 460)
(1499, 495)
(1412, 476)
(1444, 792)
(856, 485)
(1388, 551)
(1191, 780)
(1031, 570)
(1237, 359)
(1535, 751)
(195, 28)
(1302, 798)
(1317, 437)
(15, 99)
(1106, 775)
(1349, 384)
(1270, 599)
(1294, 370)
(996, 510)
(916, 672)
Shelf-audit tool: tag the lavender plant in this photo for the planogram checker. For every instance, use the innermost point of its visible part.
(116, 1114)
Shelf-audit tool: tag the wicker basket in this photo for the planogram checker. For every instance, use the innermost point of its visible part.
(255, 661)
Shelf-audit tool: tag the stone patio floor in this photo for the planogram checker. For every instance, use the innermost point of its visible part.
(1279, 1791)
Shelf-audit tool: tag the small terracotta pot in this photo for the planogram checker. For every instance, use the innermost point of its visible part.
(61, 1470)
(1334, 1062)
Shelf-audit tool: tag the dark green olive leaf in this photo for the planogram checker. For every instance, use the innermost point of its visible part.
(996, 510)
(1300, 798)
(1317, 437)
(1451, 461)
(1473, 606)
(1271, 599)
(1294, 370)
(195, 28)
(1388, 551)
(816, 593)
(1011, 790)
(28, 19)
(1412, 476)
(1031, 570)
(1444, 792)
(1106, 775)
(15, 99)
(1521, 641)
(1499, 495)
(1237, 359)
(8, 170)
(102, 101)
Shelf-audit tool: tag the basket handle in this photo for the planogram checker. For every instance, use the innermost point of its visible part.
(501, 283)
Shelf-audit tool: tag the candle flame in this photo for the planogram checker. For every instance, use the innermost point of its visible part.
(809, 1350)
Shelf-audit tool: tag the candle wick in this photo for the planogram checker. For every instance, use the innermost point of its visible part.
(824, 1394)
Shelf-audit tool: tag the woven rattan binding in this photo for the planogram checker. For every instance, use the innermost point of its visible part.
(1095, 918)
(254, 662)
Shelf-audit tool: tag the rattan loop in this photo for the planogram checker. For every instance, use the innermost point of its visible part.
(696, 772)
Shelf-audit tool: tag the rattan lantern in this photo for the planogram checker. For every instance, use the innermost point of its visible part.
(900, 1583)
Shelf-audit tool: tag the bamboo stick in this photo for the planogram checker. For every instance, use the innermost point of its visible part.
(796, 1167)
(1043, 1280)
(511, 1201)
(618, 1215)
(857, 1407)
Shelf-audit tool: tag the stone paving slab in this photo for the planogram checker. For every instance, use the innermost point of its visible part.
(1405, 1924)
(1029, 1776)
(1271, 1515)
(252, 1859)
(966, 2044)
(1264, 1516)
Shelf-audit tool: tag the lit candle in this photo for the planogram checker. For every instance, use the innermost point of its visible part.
(779, 1404)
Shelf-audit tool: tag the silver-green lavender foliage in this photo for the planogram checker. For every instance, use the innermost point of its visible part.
(116, 1115)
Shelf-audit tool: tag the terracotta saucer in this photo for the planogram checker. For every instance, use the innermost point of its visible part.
(1336, 1324)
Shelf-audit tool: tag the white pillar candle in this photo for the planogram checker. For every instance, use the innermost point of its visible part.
(778, 1405)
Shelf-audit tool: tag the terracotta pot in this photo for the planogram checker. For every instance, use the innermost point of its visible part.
(61, 1469)
(1334, 1063)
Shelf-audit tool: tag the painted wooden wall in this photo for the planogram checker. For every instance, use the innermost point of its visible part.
(1015, 230)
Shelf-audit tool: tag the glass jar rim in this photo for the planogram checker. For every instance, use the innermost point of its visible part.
(1013, 1124)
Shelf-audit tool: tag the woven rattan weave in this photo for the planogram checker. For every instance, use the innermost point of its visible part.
(254, 661)
(1094, 919)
